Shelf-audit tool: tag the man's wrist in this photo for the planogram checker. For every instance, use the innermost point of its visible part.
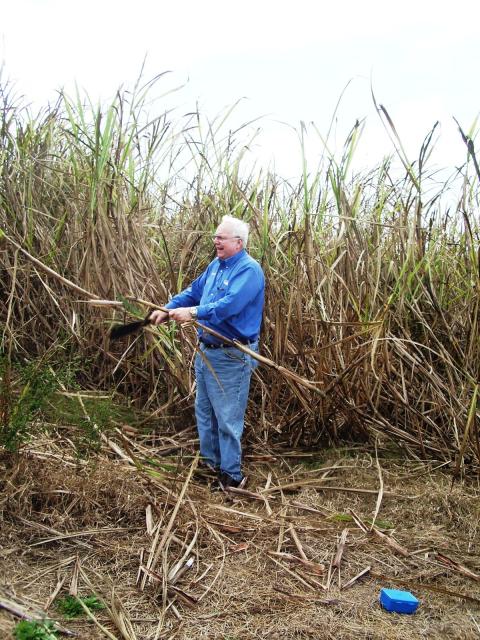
(194, 312)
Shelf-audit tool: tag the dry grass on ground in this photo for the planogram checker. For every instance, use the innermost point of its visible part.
(264, 562)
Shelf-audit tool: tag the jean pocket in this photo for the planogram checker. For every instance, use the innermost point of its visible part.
(232, 353)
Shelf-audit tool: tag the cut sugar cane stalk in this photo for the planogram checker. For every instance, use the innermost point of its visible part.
(126, 329)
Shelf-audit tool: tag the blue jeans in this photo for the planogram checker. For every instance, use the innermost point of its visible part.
(223, 380)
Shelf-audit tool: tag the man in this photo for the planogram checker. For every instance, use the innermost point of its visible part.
(227, 297)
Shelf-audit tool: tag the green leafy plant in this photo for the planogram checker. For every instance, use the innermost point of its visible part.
(33, 630)
(97, 420)
(36, 382)
(28, 396)
(70, 606)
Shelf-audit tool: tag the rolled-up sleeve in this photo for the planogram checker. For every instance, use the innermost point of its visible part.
(189, 297)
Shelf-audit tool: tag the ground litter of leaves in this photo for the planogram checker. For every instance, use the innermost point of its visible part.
(303, 552)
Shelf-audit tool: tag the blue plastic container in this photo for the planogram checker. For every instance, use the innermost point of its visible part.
(398, 601)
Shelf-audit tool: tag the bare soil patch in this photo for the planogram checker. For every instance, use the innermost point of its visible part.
(281, 561)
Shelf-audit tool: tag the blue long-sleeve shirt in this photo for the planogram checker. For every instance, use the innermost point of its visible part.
(229, 296)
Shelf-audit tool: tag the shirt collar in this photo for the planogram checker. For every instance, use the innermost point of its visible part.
(230, 262)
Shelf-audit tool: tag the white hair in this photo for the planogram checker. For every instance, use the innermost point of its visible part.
(239, 228)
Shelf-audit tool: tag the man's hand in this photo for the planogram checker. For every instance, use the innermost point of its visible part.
(158, 317)
(180, 315)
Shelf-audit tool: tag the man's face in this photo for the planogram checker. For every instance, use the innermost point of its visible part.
(226, 243)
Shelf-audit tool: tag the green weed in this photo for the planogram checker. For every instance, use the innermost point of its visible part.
(89, 417)
(70, 606)
(30, 396)
(24, 392)
(26, 630)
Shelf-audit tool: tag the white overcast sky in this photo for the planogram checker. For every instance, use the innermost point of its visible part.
(290, 62)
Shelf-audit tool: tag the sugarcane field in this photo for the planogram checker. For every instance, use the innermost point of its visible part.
(121, 516)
